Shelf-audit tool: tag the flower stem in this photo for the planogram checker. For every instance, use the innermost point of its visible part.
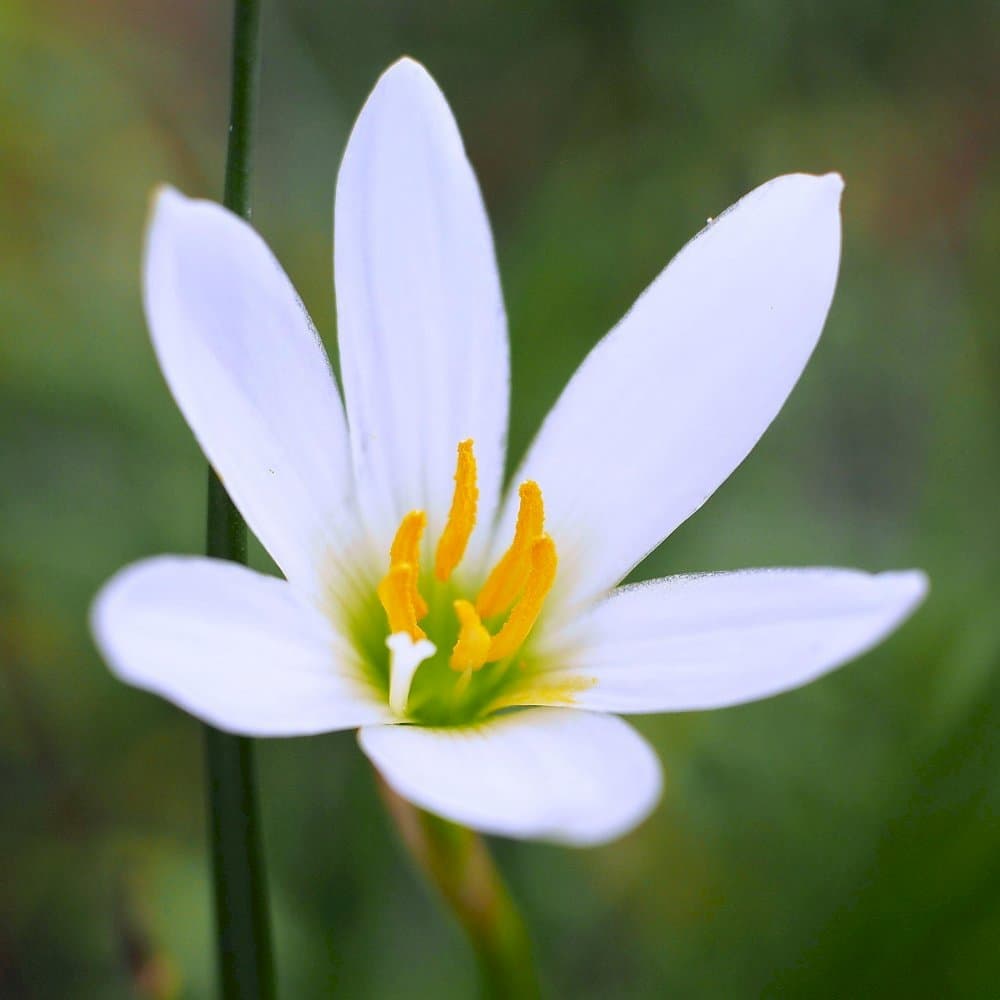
(243, 929)
(457, 862)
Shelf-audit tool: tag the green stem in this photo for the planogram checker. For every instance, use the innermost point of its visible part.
(457, 862)
(243, 932)
(241, 908)
(242, 106)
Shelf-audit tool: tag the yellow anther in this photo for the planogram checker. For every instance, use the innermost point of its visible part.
(406, 549)
(510, 573)
(461, 517)
(406, 545)
(518, 584)
(473, 640)
(541, 575)
(396, 592)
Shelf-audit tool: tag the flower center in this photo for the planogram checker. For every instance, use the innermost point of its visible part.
(484, 632)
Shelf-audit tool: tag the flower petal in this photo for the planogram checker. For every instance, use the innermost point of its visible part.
(235, 648)
(699, 642)
(421, 324)
(251, 378)
(673, 399)
(541, 774)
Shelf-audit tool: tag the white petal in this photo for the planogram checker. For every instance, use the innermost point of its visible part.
(673, 399)
(251, 378)
(421, 324)
(699, 642)
(541, 774)
(235, 648)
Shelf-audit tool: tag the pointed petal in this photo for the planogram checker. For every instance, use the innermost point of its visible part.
(541, 774)
(421, 324)
(700, 642)
(235, 648)
(673, 399)
(251, 378)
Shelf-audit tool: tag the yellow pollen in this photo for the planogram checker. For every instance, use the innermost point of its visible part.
(510, 573)
(541, 576)
(517, 586)
(473, 640)
(406, 549)
(396, 592)
(461, 517)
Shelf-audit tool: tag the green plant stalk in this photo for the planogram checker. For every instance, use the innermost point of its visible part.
(458, 864)
(243, 932)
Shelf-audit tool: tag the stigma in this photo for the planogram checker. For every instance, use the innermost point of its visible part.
(494, 623)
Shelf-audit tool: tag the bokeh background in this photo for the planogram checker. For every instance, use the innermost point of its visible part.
(842, 840)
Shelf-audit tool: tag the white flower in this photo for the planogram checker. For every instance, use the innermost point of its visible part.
(480, 670)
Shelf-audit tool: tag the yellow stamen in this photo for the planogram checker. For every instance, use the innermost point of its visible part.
(461, 517)
(522, 617)
(473, 640)
(510, 573)
(518, 585)
(396, 592)
(406, 549)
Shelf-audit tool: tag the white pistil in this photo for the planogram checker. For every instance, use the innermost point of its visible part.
(405, 655)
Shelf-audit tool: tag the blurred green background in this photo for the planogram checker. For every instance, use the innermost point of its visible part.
(842, 840)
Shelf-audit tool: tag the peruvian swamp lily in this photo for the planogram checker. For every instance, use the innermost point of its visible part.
(476, 638)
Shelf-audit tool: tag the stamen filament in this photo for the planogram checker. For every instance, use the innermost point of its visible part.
(473, 642)
(461, 517)
(396, 592)
(510, 573)
(522, 617)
